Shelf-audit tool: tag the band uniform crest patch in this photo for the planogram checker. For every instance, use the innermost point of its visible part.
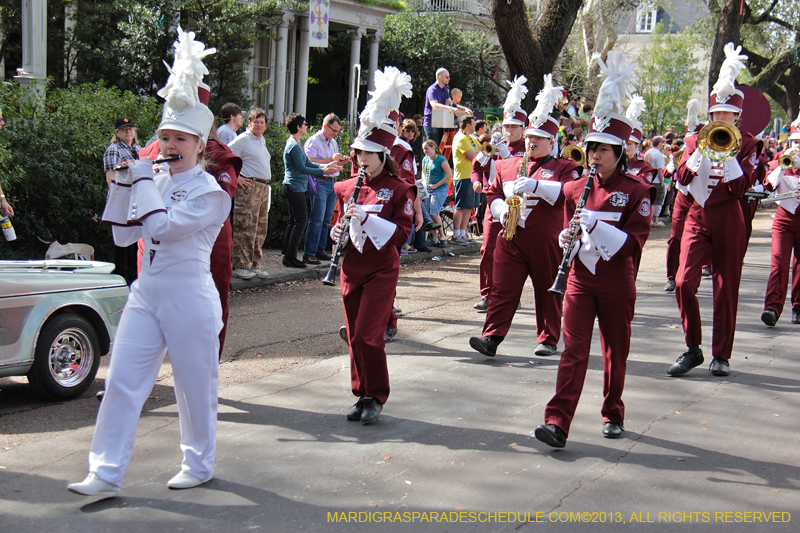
(407, 164)
(634, 171)
(644, 207)
(618, 199)
(225, 177)
(575, 174)
(409, 208)
(754, 159)
(385, 194)
(546, 173)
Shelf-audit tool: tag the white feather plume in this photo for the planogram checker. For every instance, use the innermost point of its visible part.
(692, 112)
(187, 71)
(796, 122)
(733, 64)
(635, 110)
(618, 84)
(547, 99)
(391, 85)
(516, 94)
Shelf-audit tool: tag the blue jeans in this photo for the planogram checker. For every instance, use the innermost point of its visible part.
(322, 205)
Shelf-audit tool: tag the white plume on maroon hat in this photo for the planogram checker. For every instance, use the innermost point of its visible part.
(795, 129)
(183, 110)
(391, 85)
(724, 95)
(512, 107)
(692, 118)
(635, 110)
(540, 122)
(608, 124)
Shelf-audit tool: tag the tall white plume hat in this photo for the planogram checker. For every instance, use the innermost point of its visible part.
(512, 107)
(374, 135)
(635, 110)
(608, 124)
(183, 110)
(540, 123)
(724, 95)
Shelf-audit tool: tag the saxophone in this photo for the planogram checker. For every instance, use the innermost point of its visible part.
(514, 202)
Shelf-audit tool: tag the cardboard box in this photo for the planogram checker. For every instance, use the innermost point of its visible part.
(443, 118)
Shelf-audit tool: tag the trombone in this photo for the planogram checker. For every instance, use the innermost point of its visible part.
(719, 141)
(574, 153)
(490, 148)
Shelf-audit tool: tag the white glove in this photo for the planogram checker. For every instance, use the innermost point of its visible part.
(496, 136)
(359, 213)
(588, 220)
(141, 168)
(123, 177)
(758, 187)
(482, 158)
(526, 185)
(502, 212)
(503, 150)
(564, 238)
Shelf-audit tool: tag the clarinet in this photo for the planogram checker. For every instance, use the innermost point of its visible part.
(557, 287)
(344, 240)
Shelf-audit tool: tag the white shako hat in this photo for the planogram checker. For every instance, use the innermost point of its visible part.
(393, 75)
(374, 135)
(512, 110)
(693, 122)
(608, 124)
(635, 109)
(794, 129)
(540, 123)
(183, 110)
(724, 95)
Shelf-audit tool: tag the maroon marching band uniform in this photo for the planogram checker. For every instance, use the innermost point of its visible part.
(785, 238)
(749, 207)
(644, 172)
(369, 279)
(623, 202)
(534, 252)
(225, 167)
(715, 230)
(491, 227)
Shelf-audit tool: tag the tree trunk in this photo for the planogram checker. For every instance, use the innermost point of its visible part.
(533, 53)
(729, 27)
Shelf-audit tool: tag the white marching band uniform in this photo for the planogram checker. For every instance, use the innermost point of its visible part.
(173, 303)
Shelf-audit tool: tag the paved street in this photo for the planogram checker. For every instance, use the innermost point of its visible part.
(455, 441)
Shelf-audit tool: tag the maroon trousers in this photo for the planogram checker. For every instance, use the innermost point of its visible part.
(534, 253)
(486, 268)
(367, 294)
(785, 237)
(720, 231)
(749, 208)
(682, 204)
(221, 274)
(612, 301)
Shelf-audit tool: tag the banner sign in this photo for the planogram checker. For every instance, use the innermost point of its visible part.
(318, 22)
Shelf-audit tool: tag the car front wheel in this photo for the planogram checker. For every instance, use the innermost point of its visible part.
(66, 359)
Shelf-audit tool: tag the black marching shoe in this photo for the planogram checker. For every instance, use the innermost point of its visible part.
(719, 367)
(482, 306)
(686, 362)
(391, 333)
(770, 317)
(310, 259)
(795, 316)
(292, 262)
(551, 434)
(355, 413)
(343, 335)
(545, 349)
(100, 395)
(484, 345)
(706, 273)
(612, 430)
(396, 311)
(371, 411)
(670, 286)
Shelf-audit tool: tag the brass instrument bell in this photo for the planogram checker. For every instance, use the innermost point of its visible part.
(574, 153)
(789, 160)
(719, 141)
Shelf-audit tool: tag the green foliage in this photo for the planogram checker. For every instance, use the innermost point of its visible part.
(667, 80)
(420, 43)
(51, 162)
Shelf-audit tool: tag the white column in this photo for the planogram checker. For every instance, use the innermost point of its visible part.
(279, 103)
(34, 44)
(374, 41)
(301, 85)
(355, 59)
(70, 15)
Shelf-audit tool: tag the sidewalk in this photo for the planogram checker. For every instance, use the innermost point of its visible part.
(272, 262)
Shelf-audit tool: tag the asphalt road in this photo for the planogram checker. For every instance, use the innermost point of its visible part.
(456, 435)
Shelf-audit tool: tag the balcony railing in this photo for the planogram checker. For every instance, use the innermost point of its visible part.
(462, 6)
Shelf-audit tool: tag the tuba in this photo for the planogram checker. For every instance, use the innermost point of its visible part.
(574, 153)
(514, 202)
(719, 141)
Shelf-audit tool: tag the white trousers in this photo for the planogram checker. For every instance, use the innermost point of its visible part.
(177, 309)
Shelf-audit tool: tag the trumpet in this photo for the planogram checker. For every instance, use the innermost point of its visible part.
(574, 153)
(514, 202)
(719, 141)
(790, 160)
(491, 147)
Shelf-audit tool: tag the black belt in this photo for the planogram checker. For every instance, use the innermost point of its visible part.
(260, 180)
(329, 178)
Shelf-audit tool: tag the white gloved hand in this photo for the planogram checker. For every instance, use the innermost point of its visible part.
(564, 238)
(482, 158)
(141, 168)
(526, 185)
(758, 187)
(358, 212)
(503, 150)
(123, 177)
(496, 136)
(502, 212)
(588, 220)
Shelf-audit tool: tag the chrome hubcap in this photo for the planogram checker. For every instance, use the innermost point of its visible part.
(71, 357)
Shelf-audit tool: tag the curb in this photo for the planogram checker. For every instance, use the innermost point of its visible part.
(318, 272)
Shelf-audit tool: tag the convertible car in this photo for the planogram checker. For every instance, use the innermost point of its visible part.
(57, 318)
